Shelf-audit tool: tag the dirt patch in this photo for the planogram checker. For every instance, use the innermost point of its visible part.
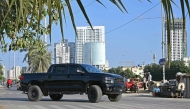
(1, 107)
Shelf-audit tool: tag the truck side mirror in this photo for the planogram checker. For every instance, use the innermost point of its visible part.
(80, 71)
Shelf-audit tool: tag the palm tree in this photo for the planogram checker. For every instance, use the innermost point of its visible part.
(38, 57)
(22, 13)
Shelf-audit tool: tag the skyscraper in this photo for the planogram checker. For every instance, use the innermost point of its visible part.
(64, 52)
(90, 46)
(17, 72)
(4, 72)
(72, 51)
(178, 48)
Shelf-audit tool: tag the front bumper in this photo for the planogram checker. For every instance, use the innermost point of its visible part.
(114, 89)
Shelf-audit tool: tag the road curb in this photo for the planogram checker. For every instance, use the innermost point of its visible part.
(1, 86)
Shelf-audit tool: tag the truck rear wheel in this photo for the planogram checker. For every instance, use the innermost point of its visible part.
(56, 97)
(94, 94)
(114, 97)
(34, 93)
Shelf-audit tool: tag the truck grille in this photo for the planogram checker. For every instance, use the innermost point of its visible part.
(118, 80)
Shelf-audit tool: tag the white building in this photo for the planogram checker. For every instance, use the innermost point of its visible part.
(61, 52)
(178, 48)
(17, 70)
(64, 52)
(4, 72)
(10, 74)
(94, 54)
(90, 46)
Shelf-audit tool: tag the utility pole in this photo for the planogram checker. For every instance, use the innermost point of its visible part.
(14, 70)
(163, 43)
(45, 37)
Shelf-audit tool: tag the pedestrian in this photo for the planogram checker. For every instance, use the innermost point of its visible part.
(18, 85)
(149, 80)
(156, 90)
(124, 78)
(144, 82)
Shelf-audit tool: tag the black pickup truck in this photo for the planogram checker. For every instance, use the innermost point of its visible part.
(72, 79)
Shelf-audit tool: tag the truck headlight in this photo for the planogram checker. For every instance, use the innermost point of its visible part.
(109, 80)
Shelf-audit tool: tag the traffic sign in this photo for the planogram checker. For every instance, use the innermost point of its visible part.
(162, 61)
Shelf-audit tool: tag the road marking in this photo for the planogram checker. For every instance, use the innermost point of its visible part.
(23, 107)
(56, 107)
(99, 105)
(74, 107)
(39, 107)
(89, 107)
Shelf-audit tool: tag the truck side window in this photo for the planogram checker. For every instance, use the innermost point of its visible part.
(59, 69)
(73, 69)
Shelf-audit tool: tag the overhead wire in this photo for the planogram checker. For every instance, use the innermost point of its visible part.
(133, 19)
(136, 18)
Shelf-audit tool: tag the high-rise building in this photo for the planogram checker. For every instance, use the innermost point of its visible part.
(178, 48)
(64, 52)
(10, 74)
(90, 46)
(72, 51)
(17, 70)
(25, 70)
(4, 72)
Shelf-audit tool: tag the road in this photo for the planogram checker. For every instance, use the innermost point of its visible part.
(13, 99)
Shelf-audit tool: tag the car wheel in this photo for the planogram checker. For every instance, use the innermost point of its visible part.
(34, 93)
(56, 97)
(114, 97)
(94, 94)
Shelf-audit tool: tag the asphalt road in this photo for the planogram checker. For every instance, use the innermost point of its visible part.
(13, 99)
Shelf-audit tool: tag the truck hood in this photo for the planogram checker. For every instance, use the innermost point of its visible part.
(113, 75)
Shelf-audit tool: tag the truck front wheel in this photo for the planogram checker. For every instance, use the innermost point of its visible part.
(34, 93)
(114, 97)
(56, 97)
(94, 94)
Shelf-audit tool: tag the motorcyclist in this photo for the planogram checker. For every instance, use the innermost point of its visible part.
(9, 82)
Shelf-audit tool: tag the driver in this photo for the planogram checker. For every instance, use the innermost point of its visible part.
(9, 82)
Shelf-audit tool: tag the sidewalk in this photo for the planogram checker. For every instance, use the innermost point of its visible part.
(1, 85)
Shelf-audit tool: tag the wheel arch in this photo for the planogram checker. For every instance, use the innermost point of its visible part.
(90, 83)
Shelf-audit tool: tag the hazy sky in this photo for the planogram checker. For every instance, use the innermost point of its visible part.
(133, 36)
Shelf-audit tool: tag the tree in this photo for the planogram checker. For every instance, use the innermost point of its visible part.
(1, 72)
(22, 24)
(15, 15)
(38, 57)
(128, 73)
(170, 72)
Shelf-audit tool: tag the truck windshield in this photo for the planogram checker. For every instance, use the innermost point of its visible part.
(91, 69)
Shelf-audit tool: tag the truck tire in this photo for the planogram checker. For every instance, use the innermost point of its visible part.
(114, 97)
(56, 97)
(34, 93)
(94, 94)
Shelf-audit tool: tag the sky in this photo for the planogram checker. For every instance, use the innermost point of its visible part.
(130, 37)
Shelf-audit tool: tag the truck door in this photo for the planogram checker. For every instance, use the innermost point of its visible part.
(56, 78)
(76, 78)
